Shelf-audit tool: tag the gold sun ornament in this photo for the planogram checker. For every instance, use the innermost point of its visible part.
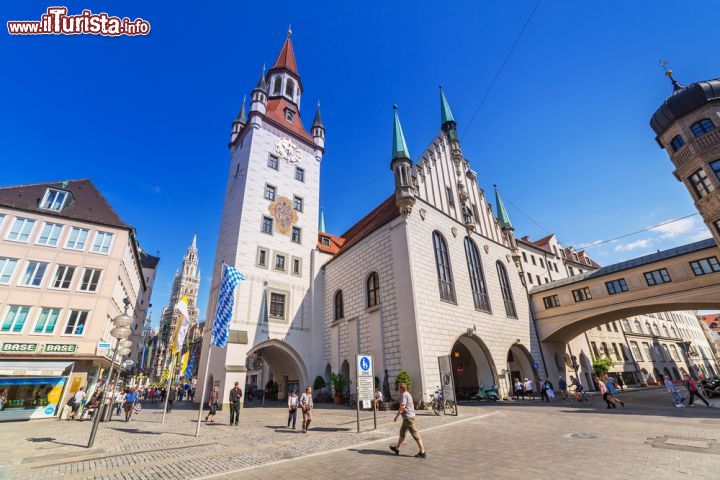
(283, 213)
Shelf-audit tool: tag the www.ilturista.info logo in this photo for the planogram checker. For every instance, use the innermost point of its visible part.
(57, 22)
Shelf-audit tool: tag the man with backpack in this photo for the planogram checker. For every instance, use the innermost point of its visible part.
(693, 390)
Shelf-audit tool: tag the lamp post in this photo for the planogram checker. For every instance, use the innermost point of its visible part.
(120, 332)
(123, 351)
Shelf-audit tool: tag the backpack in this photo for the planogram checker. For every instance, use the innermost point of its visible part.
(71, 401)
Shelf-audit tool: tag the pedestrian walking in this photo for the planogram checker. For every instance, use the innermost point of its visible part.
(529, 388)
(163, 394)
(213, 404)
(191, 395)
(562, 385)
(548, 392)
(407, 412)
(235, 396)
(306, 403)
(171, 396)
(677, 397)
(611, 384)
(293, 402)
(129, 404)
(75, 402)
(119, 398)
(604, 392)
(692, 388)
(519, 390)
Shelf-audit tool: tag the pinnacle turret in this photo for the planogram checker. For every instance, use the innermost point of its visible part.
(400, 148)
(502, 214)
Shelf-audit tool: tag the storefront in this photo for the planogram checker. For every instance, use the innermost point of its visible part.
(32, 389)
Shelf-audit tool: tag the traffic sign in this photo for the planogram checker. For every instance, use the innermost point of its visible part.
(364, 378)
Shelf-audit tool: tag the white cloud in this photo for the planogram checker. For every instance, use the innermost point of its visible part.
(629, 247)
(674, 229)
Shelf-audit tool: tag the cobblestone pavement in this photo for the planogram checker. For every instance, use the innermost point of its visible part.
(648, 438)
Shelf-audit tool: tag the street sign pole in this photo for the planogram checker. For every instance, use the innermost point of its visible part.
(364, 384)
(357, 406)
(373, 403)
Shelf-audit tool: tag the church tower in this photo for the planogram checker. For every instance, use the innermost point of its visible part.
(185, 284)
(269, 232)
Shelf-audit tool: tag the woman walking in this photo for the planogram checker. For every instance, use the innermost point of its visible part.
(693, 390)
(605, 392)
(519, 392)
(293, 402)
(213, 404)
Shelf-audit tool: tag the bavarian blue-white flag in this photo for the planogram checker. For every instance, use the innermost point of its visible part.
(191, 366)
(226, 301)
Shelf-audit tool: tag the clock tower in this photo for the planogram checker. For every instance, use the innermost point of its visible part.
(269, 232)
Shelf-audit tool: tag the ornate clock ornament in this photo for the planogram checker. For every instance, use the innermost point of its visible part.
(283, 213)
(287, 150)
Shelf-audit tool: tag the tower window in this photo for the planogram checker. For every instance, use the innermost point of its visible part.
(297, 203)
(273, 162)
(280, 262)
(290, 89)
(262, 259)
(299, 174)
(677, 142)
(296, 235)
(277, 86)
(700, 183)
(267, 225)
(702, 127)
(442, 262)
(270, 192)
(289, 115)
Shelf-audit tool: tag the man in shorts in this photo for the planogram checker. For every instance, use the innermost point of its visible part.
(407, 411)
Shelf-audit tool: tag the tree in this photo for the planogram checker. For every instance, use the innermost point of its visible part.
(319, 383)
(403, 377)
(339, 383)
(602, 365)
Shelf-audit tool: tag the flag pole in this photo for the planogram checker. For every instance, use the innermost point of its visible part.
(171, 374)
(204, 387)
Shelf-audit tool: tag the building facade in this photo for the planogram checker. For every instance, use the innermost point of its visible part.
(67, 262)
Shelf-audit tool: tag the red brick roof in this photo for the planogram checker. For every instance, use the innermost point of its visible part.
(381, 215)
(336, 243)
(276, 111)
(88, 205)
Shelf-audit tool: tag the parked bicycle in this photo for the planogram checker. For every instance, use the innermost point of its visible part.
(439, 404)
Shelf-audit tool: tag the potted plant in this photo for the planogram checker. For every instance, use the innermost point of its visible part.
(271, 390)
(318, 385)
(403, 377)
(339, 384)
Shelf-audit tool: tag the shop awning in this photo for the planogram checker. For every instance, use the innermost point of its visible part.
(32, 369)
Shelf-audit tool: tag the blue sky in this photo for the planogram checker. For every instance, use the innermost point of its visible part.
(564, 131)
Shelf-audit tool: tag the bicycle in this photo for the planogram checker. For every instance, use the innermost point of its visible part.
(440, 404)
(581, 398)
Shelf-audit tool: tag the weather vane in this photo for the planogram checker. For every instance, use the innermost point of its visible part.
(669, 73)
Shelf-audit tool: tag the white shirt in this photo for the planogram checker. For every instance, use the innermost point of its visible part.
(529, 385)
(293, 400)
(378, 395)
(79, 396)
(306, 400)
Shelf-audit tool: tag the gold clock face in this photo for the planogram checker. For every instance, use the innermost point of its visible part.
(283, 213)
(287, 150)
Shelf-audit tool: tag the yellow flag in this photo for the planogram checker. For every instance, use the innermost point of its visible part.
(182, 307)
(184, 362)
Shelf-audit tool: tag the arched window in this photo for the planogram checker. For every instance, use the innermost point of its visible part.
(638, 327)
(290, 89)
(506, 291)
(444, 273)
(477, 276)
(648, 328)
(674, 333)
(339, 308)
(702, 127)
(656, 330)
(626, 325)
(677, 142)
(373, 289)
(277, 86)
(665, 329)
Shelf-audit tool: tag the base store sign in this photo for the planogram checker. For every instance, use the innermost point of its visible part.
(36, 348)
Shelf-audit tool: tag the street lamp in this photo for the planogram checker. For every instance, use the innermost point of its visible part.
(120, 332)
(122, 350)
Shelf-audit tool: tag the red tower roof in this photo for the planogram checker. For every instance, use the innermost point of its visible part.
(286, 59)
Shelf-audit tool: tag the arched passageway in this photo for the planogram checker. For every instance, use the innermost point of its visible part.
(472, 366)
(520, 363)
(285, 365)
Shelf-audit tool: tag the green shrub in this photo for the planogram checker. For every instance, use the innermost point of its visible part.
(319, 383)
(403, 377)
(339, 383)
(602, 365)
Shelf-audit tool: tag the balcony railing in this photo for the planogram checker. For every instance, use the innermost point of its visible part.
(696, 146)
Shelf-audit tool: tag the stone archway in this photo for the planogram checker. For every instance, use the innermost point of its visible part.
(285, 364)
(520, 363)
(472, 366)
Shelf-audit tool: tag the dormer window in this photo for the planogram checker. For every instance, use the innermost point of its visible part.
(325, 241)
(289, 115)
(587, 260)
(54, 199)
(575, 257)
(677, 142)
(277, 86)
(290, 89)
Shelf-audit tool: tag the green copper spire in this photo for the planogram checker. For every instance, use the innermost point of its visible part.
(502, 212)
(322, 221)
(400, 149)
(445, 112)
(241, 116)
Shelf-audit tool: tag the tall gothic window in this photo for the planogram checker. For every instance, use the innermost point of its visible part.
(277, 87)
(373, 289)
(290, 88)
(477, 276)
(442, 260)
(506, 291)
(339, 308)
